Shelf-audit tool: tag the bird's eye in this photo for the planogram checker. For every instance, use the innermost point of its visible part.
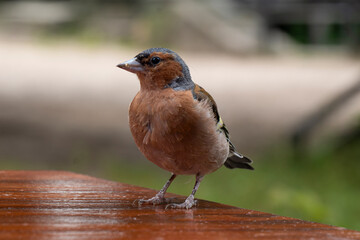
(155, 60)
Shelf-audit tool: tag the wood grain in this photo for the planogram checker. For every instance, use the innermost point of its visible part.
(63, 205)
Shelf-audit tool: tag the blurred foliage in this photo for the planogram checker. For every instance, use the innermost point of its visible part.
(327, 23)
(335, 33)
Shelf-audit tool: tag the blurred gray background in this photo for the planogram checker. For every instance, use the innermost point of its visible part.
(285, 75)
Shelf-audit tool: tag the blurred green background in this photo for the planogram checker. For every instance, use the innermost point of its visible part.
(285, 75)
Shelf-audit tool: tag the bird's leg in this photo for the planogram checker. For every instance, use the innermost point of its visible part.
(159, 197)
(190, 200)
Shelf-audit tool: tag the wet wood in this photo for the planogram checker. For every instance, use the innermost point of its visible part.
(63, 205)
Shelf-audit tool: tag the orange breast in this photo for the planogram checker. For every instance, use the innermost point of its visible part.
(176, 132)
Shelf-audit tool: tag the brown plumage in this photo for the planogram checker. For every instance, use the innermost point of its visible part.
(175, 123)
(166, 126)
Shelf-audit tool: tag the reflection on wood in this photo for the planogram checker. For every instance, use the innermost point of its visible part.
(54, 205)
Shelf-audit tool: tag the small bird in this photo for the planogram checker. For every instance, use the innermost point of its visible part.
(176, 124)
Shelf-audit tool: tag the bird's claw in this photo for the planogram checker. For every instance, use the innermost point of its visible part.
(189, 203)
(154, 200)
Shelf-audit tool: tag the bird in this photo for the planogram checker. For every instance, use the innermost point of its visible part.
(176, 124)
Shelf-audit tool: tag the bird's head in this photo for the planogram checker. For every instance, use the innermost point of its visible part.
(159, 68)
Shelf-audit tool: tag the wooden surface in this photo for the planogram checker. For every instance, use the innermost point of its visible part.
(63, 205)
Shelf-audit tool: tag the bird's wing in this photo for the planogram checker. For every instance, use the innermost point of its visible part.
(235, 159)
(200, 94)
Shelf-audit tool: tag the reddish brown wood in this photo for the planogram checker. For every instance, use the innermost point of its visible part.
(63, 205)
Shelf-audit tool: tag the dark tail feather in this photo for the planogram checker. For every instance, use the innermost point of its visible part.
(238, 161)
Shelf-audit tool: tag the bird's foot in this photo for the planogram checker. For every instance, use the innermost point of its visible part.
(189, 203)
(156, 200)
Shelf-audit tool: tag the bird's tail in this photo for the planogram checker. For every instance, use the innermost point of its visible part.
(236, 160)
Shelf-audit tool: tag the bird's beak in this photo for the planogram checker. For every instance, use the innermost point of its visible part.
(132, 66)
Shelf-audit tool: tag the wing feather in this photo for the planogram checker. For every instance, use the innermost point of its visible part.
(235, 159)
